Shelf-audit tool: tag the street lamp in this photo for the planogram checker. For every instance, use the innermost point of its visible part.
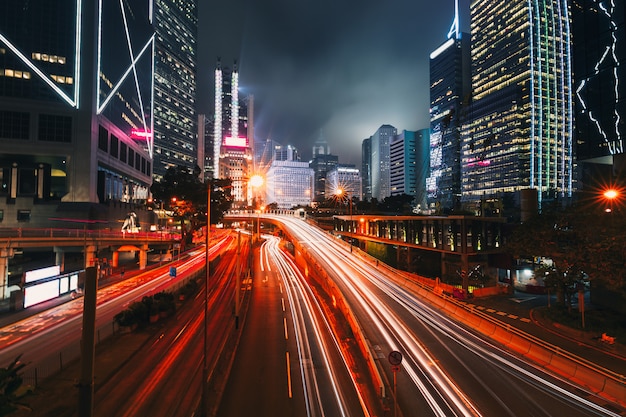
(205, 365)
(341, 192)
(610, 195)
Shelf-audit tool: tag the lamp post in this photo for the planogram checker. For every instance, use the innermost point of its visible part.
(205, 365)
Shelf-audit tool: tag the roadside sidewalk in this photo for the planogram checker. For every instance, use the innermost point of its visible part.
(527, 312)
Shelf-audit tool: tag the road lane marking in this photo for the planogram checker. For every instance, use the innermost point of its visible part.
(282, 301)
(289, 376)
(285, 324)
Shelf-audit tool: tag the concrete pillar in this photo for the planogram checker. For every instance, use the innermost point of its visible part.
(143, 257)
(59, 259)
(90, 256)
(116, 259)
(4, 273)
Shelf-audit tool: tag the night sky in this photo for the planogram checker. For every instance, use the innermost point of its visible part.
(336, 68)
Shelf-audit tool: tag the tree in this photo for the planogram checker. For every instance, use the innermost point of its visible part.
(10, 386)
(582, 242)
(184, 184)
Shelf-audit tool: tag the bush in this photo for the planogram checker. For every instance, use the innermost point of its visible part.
(125, 318)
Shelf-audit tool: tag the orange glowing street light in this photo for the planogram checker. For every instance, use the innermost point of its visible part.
(610, 195)
(340, 192)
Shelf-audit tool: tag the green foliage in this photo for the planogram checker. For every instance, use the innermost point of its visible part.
(190, 192)
(583, 241)
(10, 386)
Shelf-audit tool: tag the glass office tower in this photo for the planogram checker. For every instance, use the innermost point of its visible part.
(176, 27)
(519, 135)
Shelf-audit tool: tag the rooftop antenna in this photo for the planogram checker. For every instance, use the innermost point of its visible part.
(454, 29)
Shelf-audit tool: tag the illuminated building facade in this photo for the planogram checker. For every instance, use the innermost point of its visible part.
(233, 135)
(599, 30)
(450, 89)
(380, 168)
(289, 184)
(75, 104)
(519, 135)
(176, 27)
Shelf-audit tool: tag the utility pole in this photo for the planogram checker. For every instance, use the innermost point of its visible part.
(88, 344)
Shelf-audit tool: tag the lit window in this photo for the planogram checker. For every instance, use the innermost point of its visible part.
(8, 72)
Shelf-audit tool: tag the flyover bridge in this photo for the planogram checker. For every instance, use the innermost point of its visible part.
(90, 242)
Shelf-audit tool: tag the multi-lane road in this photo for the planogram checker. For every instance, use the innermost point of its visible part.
(447, 370)
(292, 357)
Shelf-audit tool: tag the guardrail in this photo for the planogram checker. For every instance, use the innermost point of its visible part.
(10, 233)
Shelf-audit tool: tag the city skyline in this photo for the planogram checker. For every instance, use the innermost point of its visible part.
(338, 75)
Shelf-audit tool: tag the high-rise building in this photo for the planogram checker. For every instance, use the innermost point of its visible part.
(286, 153)
(233, 135)
(380, 168)
(409, 154)
(450, 89)
(289, 184)
(345, 179)
(75, 111)
(366, 171)
(176, 26)
(599, 32)
(322, 163)
(519, 132)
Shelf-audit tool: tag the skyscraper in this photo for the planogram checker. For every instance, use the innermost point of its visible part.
(176, 26)
(599, 30)
(450, 90)
(233, 136)
(380, 168)
(519, 135)
(409, 154)
(366, 170)
(75, 110)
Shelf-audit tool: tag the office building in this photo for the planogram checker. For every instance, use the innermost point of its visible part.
(366, 171)
(599, 32)
(233, 139)
(175, 131)
(75, 112)
(380, 165)
(289, 184)
(344, 179)
(322, 164)
(286, 153)
(450, 91)
(409, 154)
(520, 130)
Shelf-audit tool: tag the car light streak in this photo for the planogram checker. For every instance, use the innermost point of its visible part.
(308, 305)
(458, 403)
(354, 274)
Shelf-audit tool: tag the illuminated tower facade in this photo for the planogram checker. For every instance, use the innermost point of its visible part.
(76, 86)
(232, 133)
(176, 26)
(450, 90)
(520, 133)
(599, 55)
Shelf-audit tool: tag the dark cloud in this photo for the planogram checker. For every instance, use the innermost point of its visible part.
(337, 68)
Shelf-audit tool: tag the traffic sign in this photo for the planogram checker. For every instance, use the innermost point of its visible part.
(395, 358)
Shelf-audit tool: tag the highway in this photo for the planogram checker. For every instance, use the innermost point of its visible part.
(40, 338)
(289, 362)
(447, 370)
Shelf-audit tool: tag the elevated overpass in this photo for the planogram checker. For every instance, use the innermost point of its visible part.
(89, 242)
